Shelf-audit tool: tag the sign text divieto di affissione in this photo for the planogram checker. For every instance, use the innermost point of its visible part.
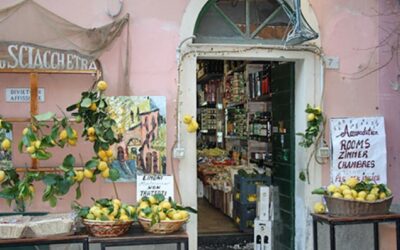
(28, 56)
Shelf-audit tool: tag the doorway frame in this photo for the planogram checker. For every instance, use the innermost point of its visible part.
(309, 82)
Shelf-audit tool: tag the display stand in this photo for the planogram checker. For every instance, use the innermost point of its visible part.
(340, 220)
(50, 240)
(136, 236)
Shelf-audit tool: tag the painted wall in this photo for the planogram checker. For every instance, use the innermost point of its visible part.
(348, 29)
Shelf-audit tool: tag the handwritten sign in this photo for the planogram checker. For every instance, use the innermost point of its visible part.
(154, 184)
(22, 95)
(31, 56)
(358, 149)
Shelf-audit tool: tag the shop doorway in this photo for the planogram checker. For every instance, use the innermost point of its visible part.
(245, 110)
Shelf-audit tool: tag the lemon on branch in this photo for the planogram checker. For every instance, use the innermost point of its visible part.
(6, 144)
(102, 85)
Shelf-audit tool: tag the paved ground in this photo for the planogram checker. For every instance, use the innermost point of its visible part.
(248, 246)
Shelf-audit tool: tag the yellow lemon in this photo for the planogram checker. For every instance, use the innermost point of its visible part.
(370, 197)
(31, 189)
(184, 214)
(6, 144)
(79, 176)
(359, 199)
(382, 195)
(74, 133)
(88, 173)
(354, 193)
(152, 200)
(90, 216)
(187, 119)
(143, 205)
(337, 195)
(25, 131)
(331, 188)
(36, 144)
(93, 106)
(72, 142)
(375, 191)
(30, 149)
(165, 205)
(310, 117)
(105, 210)
(109, 152)
(92, 138)
(162, 215)
(105, 173)
(362, 194)
(343, 187)
(319, 208)
(63, 135)
(117, 202)
(102, 166)
(176, 216)
(124, 217)
(351, 182)
(122, 211)
(154, 208)
(192, 127)
(91, 131)
(318, 109)
(170, 213)
(102, 154)
(102, 85)
(348, 197)
(346, 192)
(2, 175)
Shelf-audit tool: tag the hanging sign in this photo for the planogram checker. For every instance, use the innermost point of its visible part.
(22, 95)
(358, 149)
(30, 56)
(154, 184)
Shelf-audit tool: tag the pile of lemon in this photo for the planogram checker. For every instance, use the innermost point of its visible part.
(353, 189)
(157, 208)
(108, 210)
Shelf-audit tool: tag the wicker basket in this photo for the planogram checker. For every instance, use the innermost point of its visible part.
(162, 227)
(343, 207)
(107, 228)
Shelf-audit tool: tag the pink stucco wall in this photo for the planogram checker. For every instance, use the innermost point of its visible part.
(348, 29)
(154, 36)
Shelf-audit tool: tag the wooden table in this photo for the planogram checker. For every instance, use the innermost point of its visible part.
(332, 221)
(50, 240)
(136, 236)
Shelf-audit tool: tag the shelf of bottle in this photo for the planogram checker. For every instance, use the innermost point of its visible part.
(260, 138)
(235, 137)
(262, 98)
(262, 162)
(235, 104)
(237, 69)
(208, 77)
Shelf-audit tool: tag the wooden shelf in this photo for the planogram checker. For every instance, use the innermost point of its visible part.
(208, 77)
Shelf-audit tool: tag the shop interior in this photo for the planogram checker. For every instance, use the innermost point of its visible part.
(246, 132)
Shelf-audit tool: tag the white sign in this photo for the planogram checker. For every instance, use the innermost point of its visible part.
(22, 94)
(31, 56)
(358, 149)
(154, 184)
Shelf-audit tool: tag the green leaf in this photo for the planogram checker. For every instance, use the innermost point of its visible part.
(92, 164)
(102, 104)
(70, 133)
(114, 174)
(53, 201)
(302, 176)
(63, 186)
(159, 197)
(50, 179)
(83, 212)
(86, 102)
(72, 107)
(147, 210)
(45, 116)
(78, 192)
(69, 161)
(320, 191)
(104, 202)
(43, 155)
(20, 146)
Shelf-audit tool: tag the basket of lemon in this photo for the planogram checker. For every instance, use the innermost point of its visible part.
(107, 217)
(160, 216)
(354, 198)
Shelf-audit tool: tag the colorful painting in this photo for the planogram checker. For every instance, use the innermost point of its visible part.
(141, 125)
(5, 155)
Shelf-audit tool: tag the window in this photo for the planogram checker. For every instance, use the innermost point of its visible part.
(250, 21)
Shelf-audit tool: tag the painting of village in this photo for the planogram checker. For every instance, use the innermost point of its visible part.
(141, 128)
